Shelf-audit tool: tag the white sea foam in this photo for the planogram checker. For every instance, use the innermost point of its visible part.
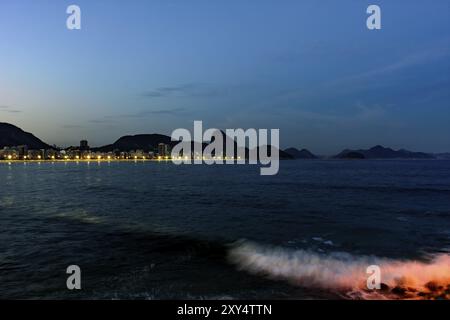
(339, 271)
(80, 215)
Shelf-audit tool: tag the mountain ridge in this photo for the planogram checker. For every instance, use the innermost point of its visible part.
(380, 152)
(300, 154)
(12, 136)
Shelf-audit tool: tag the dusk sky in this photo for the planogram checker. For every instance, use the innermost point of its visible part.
(310, 68)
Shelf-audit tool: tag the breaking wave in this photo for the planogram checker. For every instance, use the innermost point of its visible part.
(345, 273)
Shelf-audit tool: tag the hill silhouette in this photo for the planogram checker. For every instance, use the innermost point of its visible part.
(380, 152)
(300, 154)
(11, 136)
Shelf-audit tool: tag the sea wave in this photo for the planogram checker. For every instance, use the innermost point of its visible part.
(345, 273)
(80, 215)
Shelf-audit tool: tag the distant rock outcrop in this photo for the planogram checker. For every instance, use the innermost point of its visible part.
(11, 136)
(300, 154)
(380, 152)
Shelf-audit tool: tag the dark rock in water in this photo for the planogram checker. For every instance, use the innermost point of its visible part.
(421, 294)
(384, 287)
(433, 286)
(399, 291)
(409, 295)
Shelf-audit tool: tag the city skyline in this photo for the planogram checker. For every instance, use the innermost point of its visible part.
(313, 70)
(10, 131)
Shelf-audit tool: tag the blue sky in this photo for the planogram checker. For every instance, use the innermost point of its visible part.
(310, 68)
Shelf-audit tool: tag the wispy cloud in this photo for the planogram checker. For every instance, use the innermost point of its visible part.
(100, 121)
(137, 115)
(347, 86)
(408, 61)
(9, 109)
(185, 90)
(361, 113)
(72, 126)
(146, 113)
(168, 91)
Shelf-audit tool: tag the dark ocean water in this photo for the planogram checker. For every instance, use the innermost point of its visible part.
(152, 230)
